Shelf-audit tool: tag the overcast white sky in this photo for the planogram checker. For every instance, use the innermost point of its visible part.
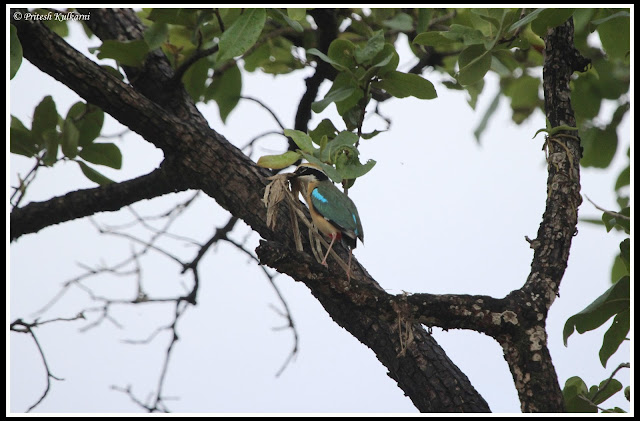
(441, 215)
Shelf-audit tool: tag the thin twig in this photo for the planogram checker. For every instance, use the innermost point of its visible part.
(608, 212)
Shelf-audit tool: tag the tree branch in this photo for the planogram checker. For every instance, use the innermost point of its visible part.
(377, 319)
(34, 216)
(527, 353)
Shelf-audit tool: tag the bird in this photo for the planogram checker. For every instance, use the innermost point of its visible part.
(332, 211)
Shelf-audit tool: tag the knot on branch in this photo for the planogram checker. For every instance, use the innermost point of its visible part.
(579, 63)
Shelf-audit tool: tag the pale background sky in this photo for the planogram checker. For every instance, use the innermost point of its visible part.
(441, 215)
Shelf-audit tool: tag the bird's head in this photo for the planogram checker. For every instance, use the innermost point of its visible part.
(309, 172)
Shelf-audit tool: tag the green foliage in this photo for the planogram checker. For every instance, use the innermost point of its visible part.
(225, 90)
(107, 154)
(93, 174)
(614, 302)
(579, 398)
(74, 136)
(88, 119)
(15, 51)
(242, 35)
(278, 162)
(402, 85)
(337, 153)
(126, 53)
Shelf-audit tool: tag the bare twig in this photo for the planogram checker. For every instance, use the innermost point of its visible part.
(263, 105)
(21, 326)
(608, 212)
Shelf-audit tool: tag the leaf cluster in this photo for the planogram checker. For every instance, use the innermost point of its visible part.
(73, 135)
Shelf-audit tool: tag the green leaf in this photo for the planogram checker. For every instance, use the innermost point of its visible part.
(608, 220)
(613, 16)
(599, 147)
(402, 85)
(325, 58)
(20, 140)
(424, 18)
(433, 39)
(156, 35)
(352, 171)
(525, 20)
(88, 119)
(182, 17)
(605, 390)
(93, 175)
(523, 92)
(56, 24)
(594, 221)
(614, 336)
(487, 15)
(342, 51)
(102, 154)
(613, 301)
(45, 117)
(242, 34)
(574, 389)
(291, 22)
(373, 46)
(344, 138)
(126, 53)
(585, 95)
(618, 269)
(625, 249)
(474, 63)
(225, 90)
(465, 34)
(70, 136)
(195, 77)
(550, 18)
(487, 116)
(51, 144)
(324, 128)
(334, 96)
(301, 139)
(352, 117)
(297, 13)
(278, 162)
(400, 22)
(386, 61)
(274, 56)
(612, 80)
(349, 106)
(15, 51)
(615, 36)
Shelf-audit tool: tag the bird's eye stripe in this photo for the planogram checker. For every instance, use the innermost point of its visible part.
(318, 196)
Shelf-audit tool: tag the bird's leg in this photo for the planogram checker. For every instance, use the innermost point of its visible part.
(333, 240)
(349, 265)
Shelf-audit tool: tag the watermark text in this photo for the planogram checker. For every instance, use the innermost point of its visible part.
(52, 16)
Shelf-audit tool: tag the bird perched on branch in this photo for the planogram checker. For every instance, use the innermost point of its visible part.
(332, 211)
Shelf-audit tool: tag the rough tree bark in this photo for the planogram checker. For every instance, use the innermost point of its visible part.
(197, 157)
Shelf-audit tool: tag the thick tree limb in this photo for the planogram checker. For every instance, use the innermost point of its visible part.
(381, 322)
(527, 353)
(77, 204)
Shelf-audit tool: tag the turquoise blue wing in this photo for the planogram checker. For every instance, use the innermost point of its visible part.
(338, 208)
